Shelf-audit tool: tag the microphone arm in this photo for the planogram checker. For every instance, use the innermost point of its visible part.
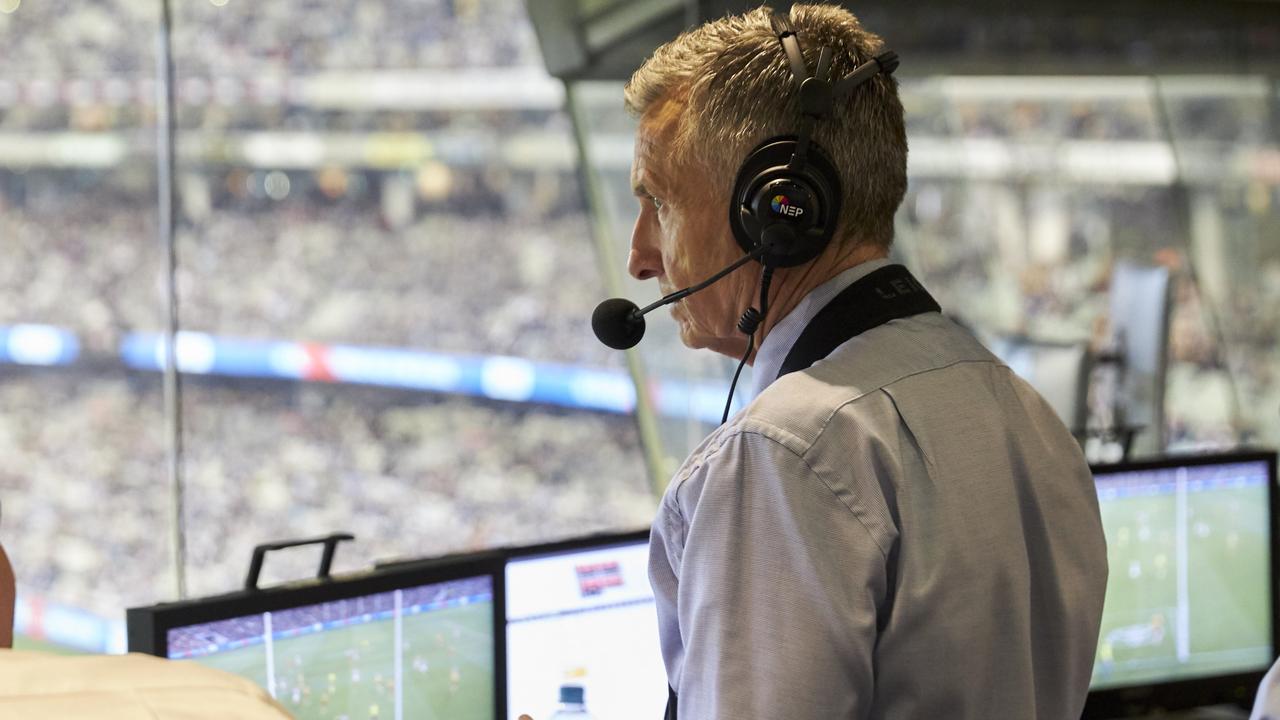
(681, 294)
(618, 323)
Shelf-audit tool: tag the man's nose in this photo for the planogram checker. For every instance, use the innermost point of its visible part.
(645, 260)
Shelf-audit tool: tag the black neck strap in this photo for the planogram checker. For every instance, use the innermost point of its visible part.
(886, 294)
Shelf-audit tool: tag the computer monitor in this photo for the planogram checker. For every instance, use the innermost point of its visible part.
(582, 631)
(416, 643)
(1189, 617)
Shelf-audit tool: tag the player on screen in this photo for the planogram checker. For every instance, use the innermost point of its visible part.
(1137, 636)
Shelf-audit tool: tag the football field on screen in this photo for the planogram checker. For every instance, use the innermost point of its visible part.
(1217, 622)
(447, 667)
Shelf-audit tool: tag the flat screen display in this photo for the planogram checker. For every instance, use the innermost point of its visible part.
(416, 652)
(1189, 589)
(582, 636)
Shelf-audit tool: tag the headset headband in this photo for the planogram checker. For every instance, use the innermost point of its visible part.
(817, 93)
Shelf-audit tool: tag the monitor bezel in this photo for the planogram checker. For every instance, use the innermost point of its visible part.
(148, 627)
(1234, 688)
(599, 541)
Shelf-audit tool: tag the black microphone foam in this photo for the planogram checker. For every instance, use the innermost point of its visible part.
(617, 322)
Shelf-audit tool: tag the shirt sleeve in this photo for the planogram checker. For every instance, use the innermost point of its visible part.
(778, 589)
(1267, 705)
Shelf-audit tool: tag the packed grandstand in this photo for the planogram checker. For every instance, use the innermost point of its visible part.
(420, 221)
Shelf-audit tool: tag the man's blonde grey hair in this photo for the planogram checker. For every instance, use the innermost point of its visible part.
(737, 88)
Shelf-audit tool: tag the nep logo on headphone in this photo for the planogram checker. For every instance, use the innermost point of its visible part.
(782, 205)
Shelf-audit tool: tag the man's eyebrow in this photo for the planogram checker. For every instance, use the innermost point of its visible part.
(639, 190)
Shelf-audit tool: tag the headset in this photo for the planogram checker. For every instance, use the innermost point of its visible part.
(786, 197)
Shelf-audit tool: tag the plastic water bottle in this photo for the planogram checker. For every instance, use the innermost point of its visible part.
(573, 704)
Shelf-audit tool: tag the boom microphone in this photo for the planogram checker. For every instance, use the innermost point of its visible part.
(619, 323)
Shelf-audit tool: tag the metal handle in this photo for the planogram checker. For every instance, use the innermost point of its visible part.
(330, 543)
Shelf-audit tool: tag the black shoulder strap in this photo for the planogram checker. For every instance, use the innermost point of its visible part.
(886, 294)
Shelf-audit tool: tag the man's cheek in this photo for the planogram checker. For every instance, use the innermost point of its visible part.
(690, 337)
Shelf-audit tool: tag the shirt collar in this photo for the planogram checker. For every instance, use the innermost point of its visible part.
(773, 351)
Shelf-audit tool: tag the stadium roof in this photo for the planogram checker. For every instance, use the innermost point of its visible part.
(608, 39)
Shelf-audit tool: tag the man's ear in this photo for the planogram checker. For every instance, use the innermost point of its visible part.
(8, 592)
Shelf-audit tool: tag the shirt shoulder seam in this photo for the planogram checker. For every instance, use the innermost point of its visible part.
(882, 388)
(813, 471)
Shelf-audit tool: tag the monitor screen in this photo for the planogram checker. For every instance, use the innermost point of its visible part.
(1189, 589)
(582, 635)
(416, 652)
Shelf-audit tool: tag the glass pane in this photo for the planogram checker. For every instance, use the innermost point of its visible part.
(1024, 203)
(688, 387)
(386, 280)
(82, 436)
(1026, 196)
(1225, 379)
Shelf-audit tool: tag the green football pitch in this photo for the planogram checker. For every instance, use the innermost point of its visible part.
(349, 673)
(22, 642)
(1190, 606)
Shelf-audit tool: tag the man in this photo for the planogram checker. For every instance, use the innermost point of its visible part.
(898, 528)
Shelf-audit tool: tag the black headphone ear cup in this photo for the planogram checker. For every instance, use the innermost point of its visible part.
(762, 190)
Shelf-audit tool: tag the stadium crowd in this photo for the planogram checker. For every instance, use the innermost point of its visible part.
(232, 37)
(80, 259)
(972, 245)
(484, 260)
(1050, 121)
(85, 499)
(209, 637)
(484, 269)
(448, 283)
(480, 283)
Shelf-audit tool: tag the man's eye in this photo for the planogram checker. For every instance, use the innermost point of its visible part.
(657, 203)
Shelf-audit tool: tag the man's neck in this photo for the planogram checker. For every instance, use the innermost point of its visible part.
(791, 285)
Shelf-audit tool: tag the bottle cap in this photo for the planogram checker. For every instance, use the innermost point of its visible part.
(571, 694)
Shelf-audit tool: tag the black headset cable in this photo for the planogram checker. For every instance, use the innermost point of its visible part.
(748, 324)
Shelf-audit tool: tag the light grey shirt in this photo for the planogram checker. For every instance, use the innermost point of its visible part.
(904, 530)
(1266, 706)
